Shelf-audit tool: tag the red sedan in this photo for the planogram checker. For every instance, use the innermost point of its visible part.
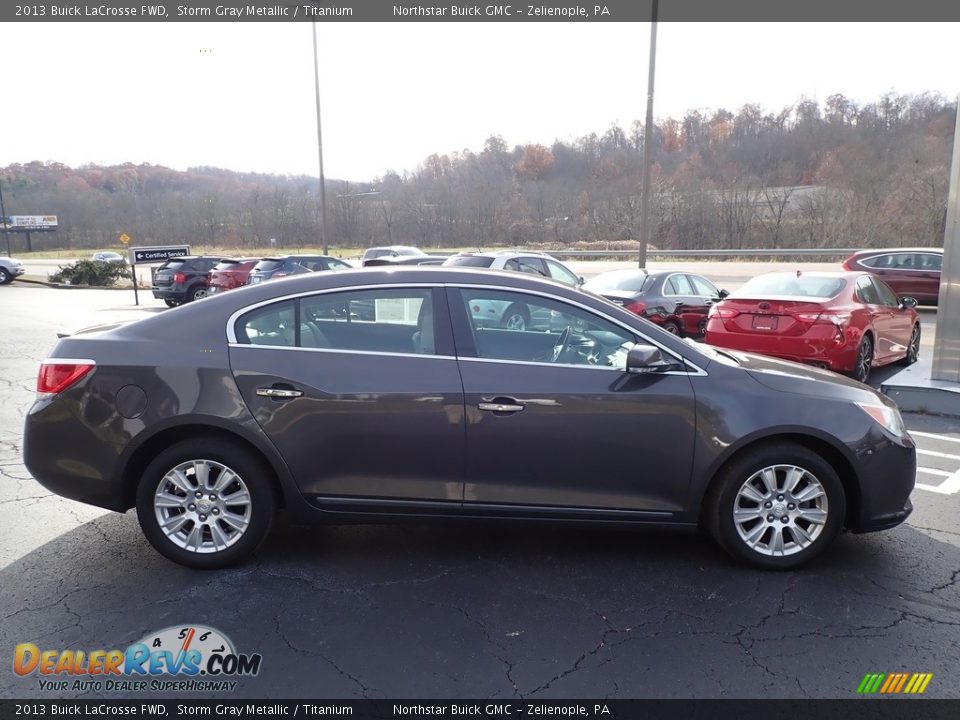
(844, 321)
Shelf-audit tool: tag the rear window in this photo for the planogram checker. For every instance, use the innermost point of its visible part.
(268, 265)
(626, 281)
(172, 265)
(469, 261)
(227, 265)
(790, 285)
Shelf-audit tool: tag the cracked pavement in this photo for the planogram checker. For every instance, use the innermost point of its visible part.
(472, 610)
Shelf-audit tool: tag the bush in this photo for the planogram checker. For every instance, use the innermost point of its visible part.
(89, 272)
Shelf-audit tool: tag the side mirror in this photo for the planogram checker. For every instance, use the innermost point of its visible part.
(723, 294)
(644, 359)
(908, 302)
(580, 280)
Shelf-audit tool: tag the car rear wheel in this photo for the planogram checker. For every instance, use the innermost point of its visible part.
(197, 293)
(5, 277)
(517, 317)
(913, 349)
(777, 507)
(864, 361)
(205, 503)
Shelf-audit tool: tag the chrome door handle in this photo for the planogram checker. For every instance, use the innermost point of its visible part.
(278, 393)
(500, 407)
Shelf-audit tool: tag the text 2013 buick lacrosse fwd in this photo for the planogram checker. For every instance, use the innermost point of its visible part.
(374, 395)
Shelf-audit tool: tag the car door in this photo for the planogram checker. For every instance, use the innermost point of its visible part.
(560, 430)
(901, 319)
(679, 290)
(360, 392)
(695, 313)
(927, 266)
(881, 318)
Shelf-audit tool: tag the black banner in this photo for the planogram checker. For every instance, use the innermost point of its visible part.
(499, 709)
(431, 11)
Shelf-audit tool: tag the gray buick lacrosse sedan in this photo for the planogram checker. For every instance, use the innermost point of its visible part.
(385, 395)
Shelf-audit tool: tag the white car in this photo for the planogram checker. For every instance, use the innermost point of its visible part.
(110, 257)
(9, 269)
(492, 313)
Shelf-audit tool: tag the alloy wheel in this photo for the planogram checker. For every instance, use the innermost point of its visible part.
(861, 370)
(202, 506)
(913, 350)
(515, 322)
(780, 510)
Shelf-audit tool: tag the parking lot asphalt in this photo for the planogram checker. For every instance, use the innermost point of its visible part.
(475, 610)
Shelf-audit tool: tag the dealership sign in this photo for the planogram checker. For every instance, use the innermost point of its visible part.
(31, 222)
(157, 254)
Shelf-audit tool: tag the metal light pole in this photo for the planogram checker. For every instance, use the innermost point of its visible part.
(3, 220)
(323, 191)
(647, 142)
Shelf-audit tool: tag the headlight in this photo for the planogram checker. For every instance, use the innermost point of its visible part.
(889, 418)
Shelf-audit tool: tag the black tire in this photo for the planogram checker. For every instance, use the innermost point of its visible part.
(170, 303)
(254, 477)
(5, 277)
(864, 360)
(516, 317)
(196, 292)
(913, 348)
(671, 327)
(725, 498)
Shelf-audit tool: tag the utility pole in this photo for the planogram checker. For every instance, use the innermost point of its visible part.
(3, 220)
(323, 191)
(647, 142)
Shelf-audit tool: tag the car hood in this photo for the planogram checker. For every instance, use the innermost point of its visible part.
(791, 377)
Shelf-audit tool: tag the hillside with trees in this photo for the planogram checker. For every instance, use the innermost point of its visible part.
(831, 174)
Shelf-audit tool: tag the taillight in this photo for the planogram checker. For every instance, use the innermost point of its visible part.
(723, 312)
(56, 375)
(825, 318)
(637, 307)
(179, 278)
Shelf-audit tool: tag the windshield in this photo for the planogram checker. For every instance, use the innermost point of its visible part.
(268, 265)
(409, 251)
(625, 280)
(791, 285)
(469, 261)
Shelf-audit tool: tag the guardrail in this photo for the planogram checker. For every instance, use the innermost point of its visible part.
(742, 253)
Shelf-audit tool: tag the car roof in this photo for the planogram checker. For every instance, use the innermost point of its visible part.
(890, 251)
(504, 253)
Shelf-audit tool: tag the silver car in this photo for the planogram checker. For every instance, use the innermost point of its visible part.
(513, 316)
(9, 269)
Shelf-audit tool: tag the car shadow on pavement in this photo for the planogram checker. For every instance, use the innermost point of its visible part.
(489, 610)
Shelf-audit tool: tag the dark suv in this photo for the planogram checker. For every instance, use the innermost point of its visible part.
(184, 279)
(278, 267)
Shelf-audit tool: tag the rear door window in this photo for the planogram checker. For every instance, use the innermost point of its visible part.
(867, 292)
(679, 285)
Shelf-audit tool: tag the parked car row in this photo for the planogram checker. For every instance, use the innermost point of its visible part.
(184, 279)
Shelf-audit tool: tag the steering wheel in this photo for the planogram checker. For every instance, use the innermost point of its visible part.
(562, 342)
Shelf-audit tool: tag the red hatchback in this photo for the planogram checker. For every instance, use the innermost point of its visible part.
(230, 274)
(844, 321)
(911, 272)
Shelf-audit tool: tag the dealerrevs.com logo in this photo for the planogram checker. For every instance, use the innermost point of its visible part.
(181, 658)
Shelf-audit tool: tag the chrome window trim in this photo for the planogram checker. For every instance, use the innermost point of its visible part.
(696, 370)
(633, 331)
(232, 320)
(874, 269)
(342, 351)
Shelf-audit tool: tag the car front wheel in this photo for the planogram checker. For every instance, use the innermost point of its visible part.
(5, 277)
(205, 503)
(777, 507)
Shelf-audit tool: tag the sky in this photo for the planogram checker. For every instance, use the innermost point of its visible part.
(241, 95)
